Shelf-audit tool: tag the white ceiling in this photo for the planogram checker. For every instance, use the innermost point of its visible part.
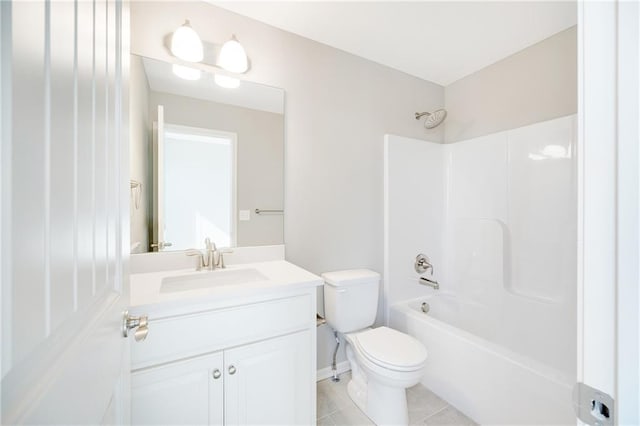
(439, 41)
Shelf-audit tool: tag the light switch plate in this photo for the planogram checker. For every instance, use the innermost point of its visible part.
(244, 215)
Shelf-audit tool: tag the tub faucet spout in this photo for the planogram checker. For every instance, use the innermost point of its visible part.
(431, 283)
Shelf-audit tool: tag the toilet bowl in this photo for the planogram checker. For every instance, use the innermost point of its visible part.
(384, 362)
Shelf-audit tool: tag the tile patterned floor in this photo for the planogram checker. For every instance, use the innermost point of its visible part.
(335, 408)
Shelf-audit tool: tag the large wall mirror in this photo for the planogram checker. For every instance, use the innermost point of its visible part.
(207, 159)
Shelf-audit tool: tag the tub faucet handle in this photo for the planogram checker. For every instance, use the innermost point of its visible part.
(423, 264)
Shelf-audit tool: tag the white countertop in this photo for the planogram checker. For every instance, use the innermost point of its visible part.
(282, 276)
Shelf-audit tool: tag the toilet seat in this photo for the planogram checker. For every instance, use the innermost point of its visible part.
(390, 349)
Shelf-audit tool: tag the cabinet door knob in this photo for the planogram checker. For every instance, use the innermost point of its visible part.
(216, 374)
(232, 370)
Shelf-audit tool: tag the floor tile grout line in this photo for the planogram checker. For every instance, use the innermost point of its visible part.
(330, 413)
(433, 414)
(324, 417)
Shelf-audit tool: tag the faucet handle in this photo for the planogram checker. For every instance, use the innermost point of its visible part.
(221, 254)
(423, 264)
(194, 252)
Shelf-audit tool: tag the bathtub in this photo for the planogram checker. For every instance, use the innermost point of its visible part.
(488, 382)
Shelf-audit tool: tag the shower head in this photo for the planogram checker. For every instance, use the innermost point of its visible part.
(433, 118)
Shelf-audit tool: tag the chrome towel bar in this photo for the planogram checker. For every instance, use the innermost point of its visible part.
(260, 211)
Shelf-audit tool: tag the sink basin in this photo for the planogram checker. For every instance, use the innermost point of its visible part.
(207, 279)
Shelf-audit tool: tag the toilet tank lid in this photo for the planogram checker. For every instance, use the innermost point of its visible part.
(351, 277)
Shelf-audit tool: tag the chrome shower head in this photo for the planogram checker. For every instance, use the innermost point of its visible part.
(433, 118)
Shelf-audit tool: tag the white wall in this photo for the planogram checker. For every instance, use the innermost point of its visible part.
(140, 155)
(338, 107)
(536, 84)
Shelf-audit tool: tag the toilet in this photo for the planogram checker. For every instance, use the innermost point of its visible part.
(384, 362)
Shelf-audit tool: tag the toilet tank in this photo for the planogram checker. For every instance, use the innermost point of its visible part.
(350, 299)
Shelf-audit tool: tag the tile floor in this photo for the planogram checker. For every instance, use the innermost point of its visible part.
(335, 408)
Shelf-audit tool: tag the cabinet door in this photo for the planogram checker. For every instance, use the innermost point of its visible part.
(270, 382)
(183, 392)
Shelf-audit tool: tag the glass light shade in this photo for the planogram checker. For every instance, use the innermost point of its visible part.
(186, 44)
(186, 73)
(226, 81)
(232, 57)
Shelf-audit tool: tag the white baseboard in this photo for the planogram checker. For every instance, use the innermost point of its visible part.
(325, 373)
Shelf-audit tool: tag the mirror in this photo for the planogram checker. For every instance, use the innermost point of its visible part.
(206, 161)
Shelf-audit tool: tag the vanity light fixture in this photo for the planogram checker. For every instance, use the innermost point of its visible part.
(233, 57)
(186, 44)
(186, 73)
(226, 81)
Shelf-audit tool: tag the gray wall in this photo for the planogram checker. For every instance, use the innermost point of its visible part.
(140, 153)
(260, 158)
(338, 107)
(536, 84)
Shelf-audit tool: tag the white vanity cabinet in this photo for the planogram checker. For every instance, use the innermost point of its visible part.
(182, 392)
(244, 364)
(268, 387)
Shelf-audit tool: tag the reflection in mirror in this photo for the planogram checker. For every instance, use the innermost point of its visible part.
(194, 162)
(204, 158)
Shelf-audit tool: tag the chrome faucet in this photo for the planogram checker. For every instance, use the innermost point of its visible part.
(211, 259)
(423, 265)
(431, 283)
(208, 260)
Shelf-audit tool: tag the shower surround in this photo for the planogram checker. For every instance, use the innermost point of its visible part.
(497, 216)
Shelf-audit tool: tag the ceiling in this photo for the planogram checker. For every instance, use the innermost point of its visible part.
(439, 41)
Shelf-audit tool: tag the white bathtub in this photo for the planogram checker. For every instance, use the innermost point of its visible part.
(488, 382)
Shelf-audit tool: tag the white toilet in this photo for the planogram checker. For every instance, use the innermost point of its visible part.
(384, 362)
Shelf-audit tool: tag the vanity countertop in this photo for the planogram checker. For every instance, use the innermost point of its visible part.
(160, 292)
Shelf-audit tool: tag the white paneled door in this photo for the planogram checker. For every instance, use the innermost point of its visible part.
(608, 205)
(64, 211)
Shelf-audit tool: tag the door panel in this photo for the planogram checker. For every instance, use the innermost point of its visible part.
(24, 215)
(64, 207)
(183, 392)
(263, 384)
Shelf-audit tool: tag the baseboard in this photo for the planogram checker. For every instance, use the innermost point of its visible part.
(325, 373)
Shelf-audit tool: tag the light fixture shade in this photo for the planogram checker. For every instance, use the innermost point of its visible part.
(232, 57)
(186, 44)
(226, 81)
(186, 73)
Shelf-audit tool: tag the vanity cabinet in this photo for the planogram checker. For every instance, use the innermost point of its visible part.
(269, 385)
(241, 365)
(182, 392)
